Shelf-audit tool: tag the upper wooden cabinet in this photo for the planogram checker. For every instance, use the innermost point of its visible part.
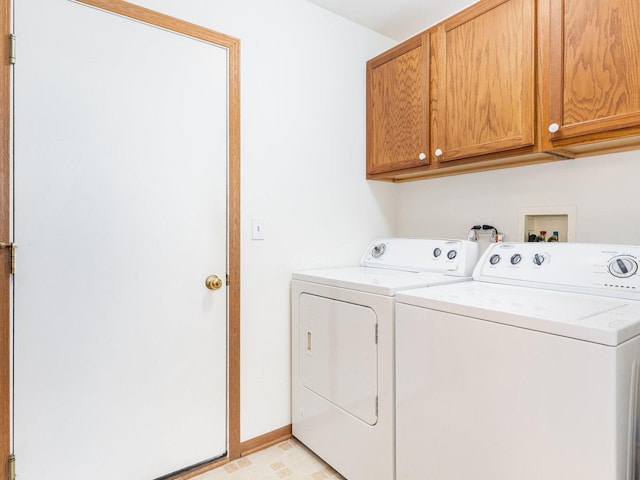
(483, 97)
(477, 106)
(594, 73)
(398, 107)
(506, 83)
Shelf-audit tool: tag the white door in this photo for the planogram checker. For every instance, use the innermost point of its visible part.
(120, 215)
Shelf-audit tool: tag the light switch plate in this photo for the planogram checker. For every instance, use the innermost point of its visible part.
(257, 228)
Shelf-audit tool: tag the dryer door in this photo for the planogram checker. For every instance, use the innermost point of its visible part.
(338, 356)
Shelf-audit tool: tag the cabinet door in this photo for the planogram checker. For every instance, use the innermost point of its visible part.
(398, 107)
(594, 68)
(484, 84)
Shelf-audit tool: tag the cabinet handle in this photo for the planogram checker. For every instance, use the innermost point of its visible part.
(438, 152)
(422, 156)
(554, 127)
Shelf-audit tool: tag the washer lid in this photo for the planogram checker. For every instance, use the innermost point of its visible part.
(604, 320)
(375, 280)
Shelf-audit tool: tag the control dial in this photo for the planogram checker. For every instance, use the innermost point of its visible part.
(623, 267)
(494, 259)
(538, 259)
(378, 250)
(436, 252)
(451, 254)
(515, 259)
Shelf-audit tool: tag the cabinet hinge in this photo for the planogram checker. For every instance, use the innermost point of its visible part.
(13, 248)
(12, 48)
(12, 467)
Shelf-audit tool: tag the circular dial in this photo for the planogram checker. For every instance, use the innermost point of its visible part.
(538, 259)
(494, 259)
(623, 267)
(436, 252)
(515, 259)
(451, 254)
(378, 250)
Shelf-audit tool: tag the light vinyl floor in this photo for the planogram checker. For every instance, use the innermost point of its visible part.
(289, 460)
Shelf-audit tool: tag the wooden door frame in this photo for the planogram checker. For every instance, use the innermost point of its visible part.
(5, 229)
(232, 45)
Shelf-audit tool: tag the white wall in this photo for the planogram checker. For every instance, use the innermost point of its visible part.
(303, 170)
(603, 189)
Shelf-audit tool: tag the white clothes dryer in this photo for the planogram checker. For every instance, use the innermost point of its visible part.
(529, 372)
(343, 348)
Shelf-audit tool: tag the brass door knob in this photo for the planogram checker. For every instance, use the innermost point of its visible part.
(213, 282)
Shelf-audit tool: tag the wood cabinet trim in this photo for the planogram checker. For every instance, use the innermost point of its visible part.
(609, 127)
(556, 59)
(470, 13)
(542, 23)
(471, 151)
(404, 47)
(516, 158)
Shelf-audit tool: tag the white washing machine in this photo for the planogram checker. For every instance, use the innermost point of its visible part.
(343, 349)
(530, 372)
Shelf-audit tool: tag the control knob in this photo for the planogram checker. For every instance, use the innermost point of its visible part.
(623, 267)
(378, 250)
(538, 259)
(451, 254)
(494, 259)
(436, 252)
(515, 259)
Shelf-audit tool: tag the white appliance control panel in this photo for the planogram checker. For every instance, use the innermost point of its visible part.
(453, 257)
(601, 269)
